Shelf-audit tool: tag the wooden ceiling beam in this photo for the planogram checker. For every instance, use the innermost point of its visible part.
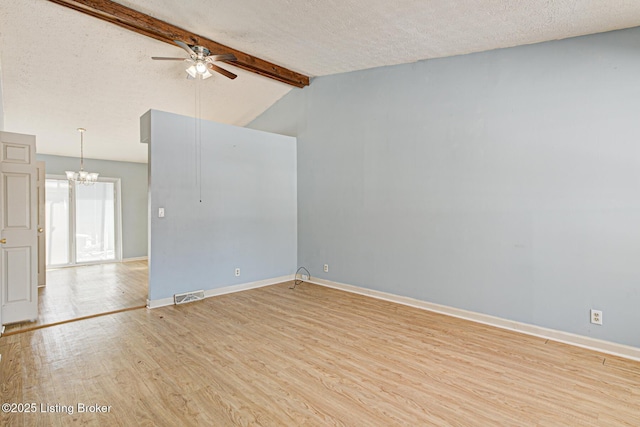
(149, 26)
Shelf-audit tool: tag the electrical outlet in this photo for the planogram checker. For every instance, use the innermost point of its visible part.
(326, 268)
(237, 272)
(596, 317)
(305, 277)
(160, 212)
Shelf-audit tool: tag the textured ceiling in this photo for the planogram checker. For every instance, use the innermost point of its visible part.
(61, 69)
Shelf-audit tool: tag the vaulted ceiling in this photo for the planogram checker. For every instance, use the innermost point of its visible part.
(61, 69)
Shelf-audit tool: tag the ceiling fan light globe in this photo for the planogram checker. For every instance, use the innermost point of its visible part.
(192, 71)
(201, 68)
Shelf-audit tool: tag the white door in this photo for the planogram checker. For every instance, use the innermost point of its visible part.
(18, 228)
(42, 255)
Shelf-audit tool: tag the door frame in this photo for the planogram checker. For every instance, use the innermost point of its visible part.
(42, 235)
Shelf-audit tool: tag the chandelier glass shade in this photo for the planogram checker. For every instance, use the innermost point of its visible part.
(82, 176)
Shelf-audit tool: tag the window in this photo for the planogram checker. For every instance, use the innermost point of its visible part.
(83, 222)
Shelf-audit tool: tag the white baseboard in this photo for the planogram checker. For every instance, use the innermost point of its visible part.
(139, 258)
(608, 347)
(225, 290)
(156, 303)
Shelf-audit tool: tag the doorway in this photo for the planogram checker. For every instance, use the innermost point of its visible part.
(85, 273)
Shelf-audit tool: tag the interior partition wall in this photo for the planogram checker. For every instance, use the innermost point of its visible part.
(222, 204)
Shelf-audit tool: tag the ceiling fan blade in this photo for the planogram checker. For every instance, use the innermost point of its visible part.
(223, 57)
(164, 58)
(186, 47)
(222, 71)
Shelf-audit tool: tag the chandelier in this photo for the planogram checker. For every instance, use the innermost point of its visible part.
(82, 177)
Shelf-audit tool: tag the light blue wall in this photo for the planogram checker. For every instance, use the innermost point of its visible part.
(504, 182)
(243, 215)
(134, 195)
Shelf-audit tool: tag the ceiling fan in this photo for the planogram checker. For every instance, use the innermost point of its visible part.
(201, 60)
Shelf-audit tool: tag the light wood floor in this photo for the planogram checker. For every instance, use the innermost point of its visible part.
(311, 356)
(87, 290)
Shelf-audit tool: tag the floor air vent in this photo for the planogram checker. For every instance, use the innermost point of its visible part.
(188, 297)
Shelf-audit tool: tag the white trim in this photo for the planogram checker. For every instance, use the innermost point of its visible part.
(608, 347)
(137, 258)
(225, 290)
(117, 199)
(156, 303)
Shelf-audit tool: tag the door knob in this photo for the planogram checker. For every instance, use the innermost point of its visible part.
(40, 230)
(3, 241)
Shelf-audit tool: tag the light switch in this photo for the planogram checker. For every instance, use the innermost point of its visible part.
(160, 212)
